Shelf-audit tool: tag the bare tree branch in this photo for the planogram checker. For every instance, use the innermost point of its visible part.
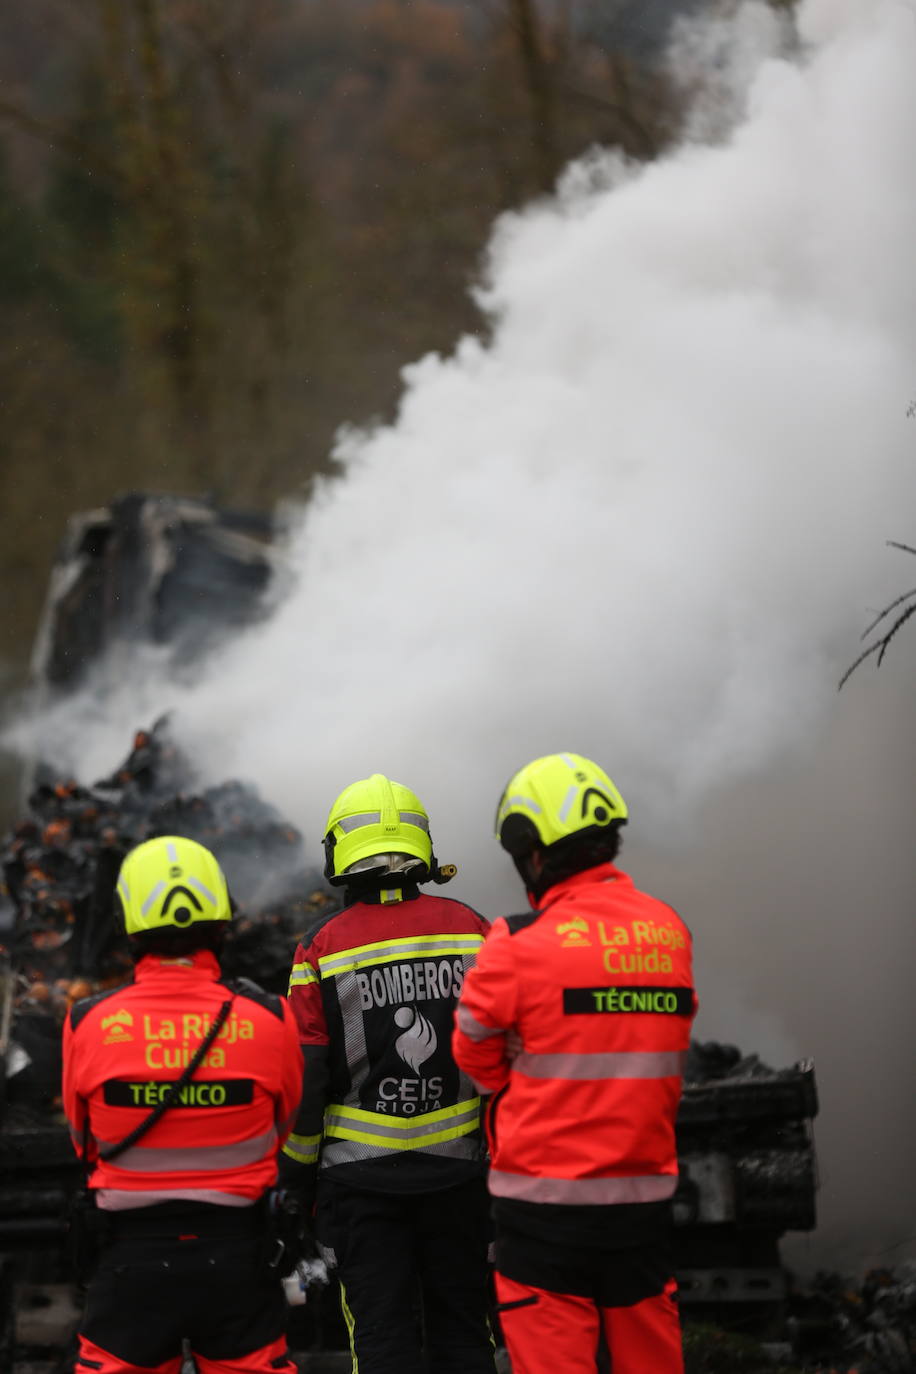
(881, 646)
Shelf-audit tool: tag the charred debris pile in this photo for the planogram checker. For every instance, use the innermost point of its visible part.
(745, 1143)
(58, 937)
(863, 1327)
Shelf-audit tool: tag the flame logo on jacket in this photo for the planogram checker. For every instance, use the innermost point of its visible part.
(419, 1041)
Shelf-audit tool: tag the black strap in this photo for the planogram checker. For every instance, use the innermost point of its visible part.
(171, 1095)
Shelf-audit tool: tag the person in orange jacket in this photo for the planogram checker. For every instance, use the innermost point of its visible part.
(180, 1090)
(576, 1018)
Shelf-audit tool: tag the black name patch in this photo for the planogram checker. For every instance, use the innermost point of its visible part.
(233, 1092)
(594, 1001)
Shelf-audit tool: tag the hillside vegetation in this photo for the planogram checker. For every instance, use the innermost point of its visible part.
(225, 228)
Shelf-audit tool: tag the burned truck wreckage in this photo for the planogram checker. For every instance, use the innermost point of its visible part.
(164, 570)
(745, 1144)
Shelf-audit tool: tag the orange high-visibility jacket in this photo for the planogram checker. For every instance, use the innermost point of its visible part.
(597, 984)
(122, 1049)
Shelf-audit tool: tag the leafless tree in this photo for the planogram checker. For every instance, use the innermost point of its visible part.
(882, 643)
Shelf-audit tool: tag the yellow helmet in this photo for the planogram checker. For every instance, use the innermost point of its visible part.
(171, 882)
(376, 816)
(556, 798)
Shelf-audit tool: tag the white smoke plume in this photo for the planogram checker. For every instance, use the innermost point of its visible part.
(647, 520)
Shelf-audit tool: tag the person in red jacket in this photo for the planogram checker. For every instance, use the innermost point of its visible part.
(389, 1126)
(180, 1174)
(576, 1018)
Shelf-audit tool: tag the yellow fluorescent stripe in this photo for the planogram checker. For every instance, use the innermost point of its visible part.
(404, 1123)
(401, 941)
(351, 1328)
(364, 1138)
(307, 976)
(304, 1139)
(407, 943)
(301, 1156)
(400, 956)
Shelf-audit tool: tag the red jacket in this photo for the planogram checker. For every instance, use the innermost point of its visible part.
(124, 1047)
(374, 989)
(597, 988)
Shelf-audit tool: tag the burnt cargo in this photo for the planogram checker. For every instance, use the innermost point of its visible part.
(151, 568)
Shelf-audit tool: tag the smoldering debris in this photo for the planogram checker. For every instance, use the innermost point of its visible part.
(60, 864)
(838, 1325)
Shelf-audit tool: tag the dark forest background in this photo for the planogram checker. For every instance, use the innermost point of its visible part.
(225, 226)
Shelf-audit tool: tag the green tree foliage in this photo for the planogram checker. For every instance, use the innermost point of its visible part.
(224, 228)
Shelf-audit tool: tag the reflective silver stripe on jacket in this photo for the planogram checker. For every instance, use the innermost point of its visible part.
(613, 1064)
(591, 1192)
(144, 1159)
(354, 1151)
(133, 1200)
(364, 818)
(474, 1029)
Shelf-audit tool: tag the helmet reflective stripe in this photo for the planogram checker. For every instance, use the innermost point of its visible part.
(512, 803)
(172, 852)
(156, 892)
(415, 818)
(568, 801)
(204, 891)
(348, 823)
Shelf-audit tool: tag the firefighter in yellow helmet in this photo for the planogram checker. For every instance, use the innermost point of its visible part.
(180, 1089)
(389, 1127)
(578, 1016)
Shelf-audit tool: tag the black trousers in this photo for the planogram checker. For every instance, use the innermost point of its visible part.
(414, 1277)
(171, 1273)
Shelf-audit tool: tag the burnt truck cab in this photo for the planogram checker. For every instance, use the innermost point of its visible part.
(748, 1174)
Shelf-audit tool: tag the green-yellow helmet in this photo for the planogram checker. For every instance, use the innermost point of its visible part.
(171, 882)
(553, 799)
(376, 816)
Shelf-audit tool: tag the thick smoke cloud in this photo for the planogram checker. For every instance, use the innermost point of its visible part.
(646, 520)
